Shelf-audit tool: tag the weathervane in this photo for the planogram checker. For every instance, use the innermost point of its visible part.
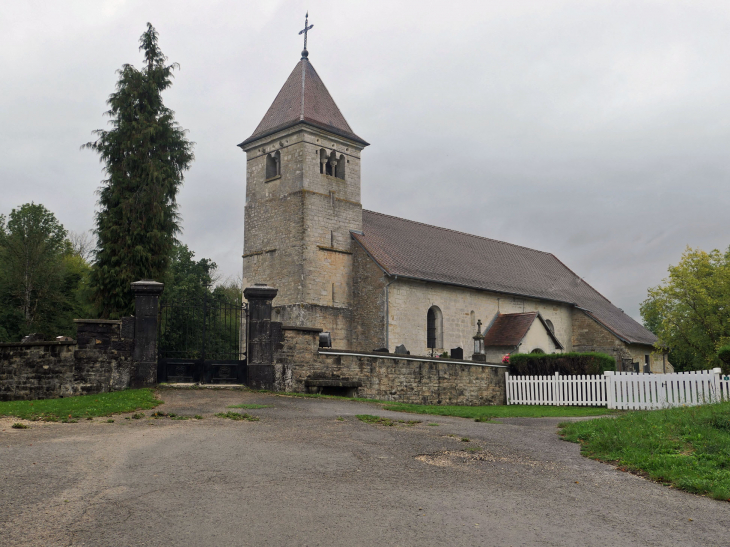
(304, 31)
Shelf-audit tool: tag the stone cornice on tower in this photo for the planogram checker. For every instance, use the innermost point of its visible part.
(303, 99)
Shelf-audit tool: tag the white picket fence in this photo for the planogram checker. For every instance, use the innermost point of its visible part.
(578, 390)
(620, 390)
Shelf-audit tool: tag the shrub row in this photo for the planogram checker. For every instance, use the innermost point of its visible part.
(541, 364)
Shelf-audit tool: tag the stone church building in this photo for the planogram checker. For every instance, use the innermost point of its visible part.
(377, 281)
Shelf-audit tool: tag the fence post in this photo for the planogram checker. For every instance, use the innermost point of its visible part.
(557, 392)
(716, 395)
(506, 386)
(144, 358)
(260, 358)
(610, 391)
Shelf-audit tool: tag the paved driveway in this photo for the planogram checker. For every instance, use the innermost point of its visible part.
(302, 476)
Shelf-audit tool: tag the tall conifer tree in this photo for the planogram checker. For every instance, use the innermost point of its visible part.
(145, 155)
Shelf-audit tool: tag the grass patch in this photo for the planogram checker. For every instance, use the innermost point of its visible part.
(486, 413)
(249, 406)
(18, 425)
(380, 420)
(82, 406)
(433, 424)
(237, 416)
(687, 447)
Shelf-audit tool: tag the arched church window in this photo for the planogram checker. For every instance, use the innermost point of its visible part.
(472, 319)
(550, 325)
(273, 165)
(340, 168)
(434, 328)
(537, 350)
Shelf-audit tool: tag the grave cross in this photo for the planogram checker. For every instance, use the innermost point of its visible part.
(304, 31)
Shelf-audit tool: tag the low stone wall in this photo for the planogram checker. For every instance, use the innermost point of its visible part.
(99, 360)
(300, 366)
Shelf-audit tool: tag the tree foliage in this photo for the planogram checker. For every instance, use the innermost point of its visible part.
(42, 280)
(690, 311)
(145, 155)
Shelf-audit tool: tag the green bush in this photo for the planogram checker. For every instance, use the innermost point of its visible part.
(724, 355)
(541, 364)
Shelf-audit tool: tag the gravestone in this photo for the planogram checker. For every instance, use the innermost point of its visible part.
(401, 350)
(457, 353)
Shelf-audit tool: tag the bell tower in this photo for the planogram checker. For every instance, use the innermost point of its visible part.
(302, 202)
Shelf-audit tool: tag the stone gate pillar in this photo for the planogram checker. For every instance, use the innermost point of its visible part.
(144, 357)
(260, 358)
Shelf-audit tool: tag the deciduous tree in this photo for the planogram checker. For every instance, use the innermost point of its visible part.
(690, 310)
(40, 275)
(145, 155)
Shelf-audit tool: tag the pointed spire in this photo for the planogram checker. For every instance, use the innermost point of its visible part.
(303, 99)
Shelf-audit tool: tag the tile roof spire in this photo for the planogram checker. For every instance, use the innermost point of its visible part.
(304, 99)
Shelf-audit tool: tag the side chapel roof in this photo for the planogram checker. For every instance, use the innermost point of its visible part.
(509, 329)
(419, 251)
(303, 99)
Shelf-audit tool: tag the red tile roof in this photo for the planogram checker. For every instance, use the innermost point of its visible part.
(509, 329)
(303, 99)
(414, 250)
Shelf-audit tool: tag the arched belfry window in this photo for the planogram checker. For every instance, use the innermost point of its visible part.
(273, 165)
(340, 169)
(434, 328)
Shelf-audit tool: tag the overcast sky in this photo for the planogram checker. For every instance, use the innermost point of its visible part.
(597, 131)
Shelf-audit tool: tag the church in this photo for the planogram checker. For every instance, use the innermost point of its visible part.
(371, 280)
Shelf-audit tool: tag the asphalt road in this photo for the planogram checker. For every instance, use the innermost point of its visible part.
(302, 476)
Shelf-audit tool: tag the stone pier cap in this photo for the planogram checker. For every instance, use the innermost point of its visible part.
(260, 291)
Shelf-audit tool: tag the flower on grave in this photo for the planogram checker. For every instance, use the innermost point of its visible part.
(505, 359)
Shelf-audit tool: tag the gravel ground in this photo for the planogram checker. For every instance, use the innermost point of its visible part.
(310, 473)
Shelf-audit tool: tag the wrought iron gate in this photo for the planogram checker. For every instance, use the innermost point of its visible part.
(203, 341)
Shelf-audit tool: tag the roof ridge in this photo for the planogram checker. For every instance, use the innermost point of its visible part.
(466, 234)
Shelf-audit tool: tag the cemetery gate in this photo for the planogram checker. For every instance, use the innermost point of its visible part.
(203, 340)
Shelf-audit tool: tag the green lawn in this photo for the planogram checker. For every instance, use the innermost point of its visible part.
(687, 447)
(502, 411)
(82, 406)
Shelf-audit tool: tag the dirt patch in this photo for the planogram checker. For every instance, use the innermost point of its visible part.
(451, 458)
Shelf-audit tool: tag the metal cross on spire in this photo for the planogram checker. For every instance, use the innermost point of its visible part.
(304, 31)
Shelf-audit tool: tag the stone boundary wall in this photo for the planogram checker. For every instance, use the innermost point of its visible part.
(300, 366)
(99, 360)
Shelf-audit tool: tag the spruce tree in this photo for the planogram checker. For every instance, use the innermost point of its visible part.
(145, 155)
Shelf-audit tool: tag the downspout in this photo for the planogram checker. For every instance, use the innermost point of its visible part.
(387, 312)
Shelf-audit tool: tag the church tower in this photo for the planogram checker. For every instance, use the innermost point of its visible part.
(302, 202)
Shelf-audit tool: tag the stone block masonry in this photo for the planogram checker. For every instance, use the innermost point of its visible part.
(300, 366)
(100, 360)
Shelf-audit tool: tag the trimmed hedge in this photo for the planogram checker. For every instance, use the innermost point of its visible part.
(541, 364)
